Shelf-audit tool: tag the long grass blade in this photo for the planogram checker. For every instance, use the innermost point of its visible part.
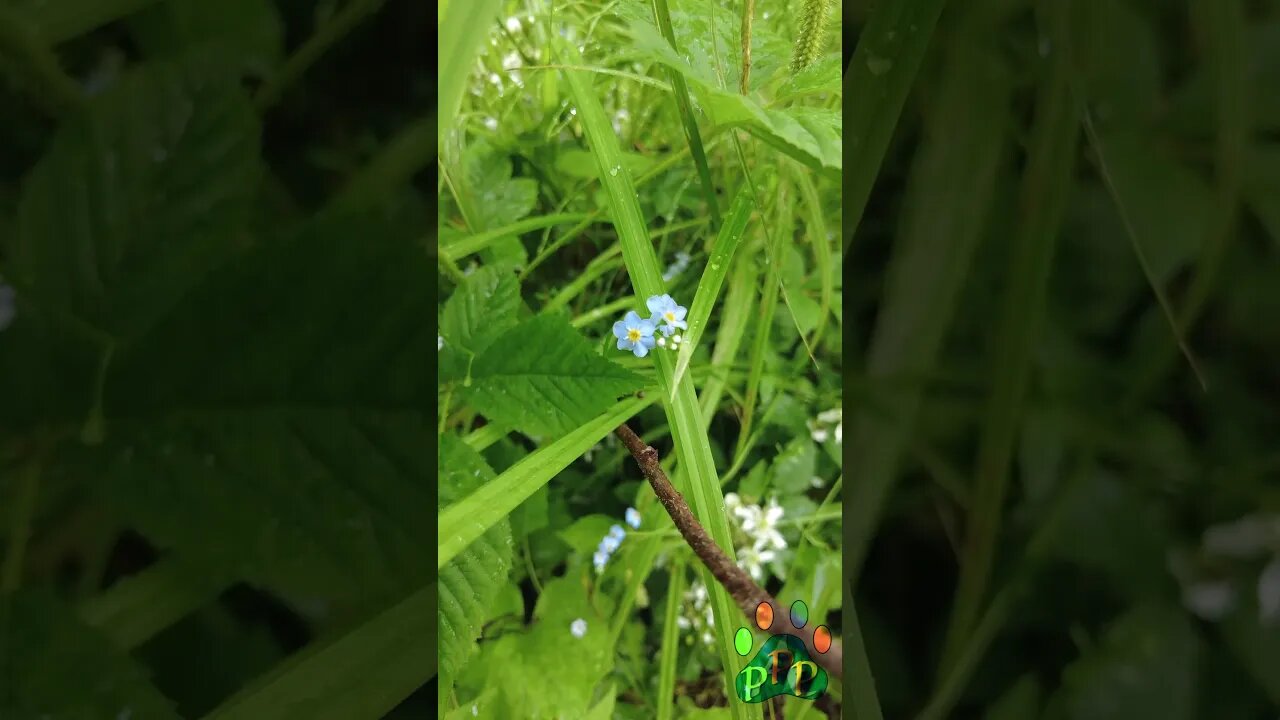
(951, 187)
(704, 300)
(665, 700)
(464, 521)
(472, 244)
(876, 84)
(689, 121)
(738, 305)
(683, 415)
(462, 29)
(1045, 191)
(360, 676)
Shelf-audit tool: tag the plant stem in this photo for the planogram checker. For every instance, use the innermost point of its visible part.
(744, 591)
(748, 12)
(20, 530)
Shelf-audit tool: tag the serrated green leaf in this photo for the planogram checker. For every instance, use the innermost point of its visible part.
(54, 666)
(309, 500)
(139, 196)
(469, 584)
(480, 310)
(544, 379)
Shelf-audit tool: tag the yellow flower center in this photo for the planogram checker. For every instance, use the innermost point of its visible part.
(671, 316)
(633, 335)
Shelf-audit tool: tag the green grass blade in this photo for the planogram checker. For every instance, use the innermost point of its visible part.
(473, 244)
(138, 607)
(462, 30)
(665, 700)
(951, 186)
(727, 242)
(681, 91)
(764, 323)
(1228, 50)
(738, 305)
(362, 675)
(683, 413)
(1046, 188)
(822, 255)
(876, 84)
(464, 521)
(862, 685)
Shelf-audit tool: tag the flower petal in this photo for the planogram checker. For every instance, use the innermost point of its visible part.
(654, 303)
(620, 329)
(640, 350)
(624, 344)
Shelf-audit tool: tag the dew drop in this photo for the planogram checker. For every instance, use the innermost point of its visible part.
(613, 171)
(878, 65)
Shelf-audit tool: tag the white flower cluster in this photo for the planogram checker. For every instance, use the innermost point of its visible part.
(828, 424)
(1249, 539)
(759, 527)
(758, 543)
(698, 616)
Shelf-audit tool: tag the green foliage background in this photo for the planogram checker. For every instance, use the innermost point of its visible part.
(1045, 505)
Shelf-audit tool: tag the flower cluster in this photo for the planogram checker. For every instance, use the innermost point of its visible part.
(759, 527)
(636, 334)
(1206, 589)
(610, 543)
(828, 424)
(6, 305)
(701, 619)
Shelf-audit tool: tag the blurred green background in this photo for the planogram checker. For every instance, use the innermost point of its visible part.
(1048, 515)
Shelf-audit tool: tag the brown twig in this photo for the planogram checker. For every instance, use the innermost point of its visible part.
(744, 591)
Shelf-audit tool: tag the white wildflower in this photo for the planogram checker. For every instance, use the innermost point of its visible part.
(513, 24)
(1210, 600)
(578, 627)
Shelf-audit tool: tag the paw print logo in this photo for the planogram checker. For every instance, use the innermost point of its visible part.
(782, 666)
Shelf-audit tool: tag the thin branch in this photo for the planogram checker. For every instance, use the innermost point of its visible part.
(745, 592)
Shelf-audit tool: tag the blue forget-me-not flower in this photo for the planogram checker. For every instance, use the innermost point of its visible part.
(633, 518)
(608, 545)
(667, 315)
(634, 333)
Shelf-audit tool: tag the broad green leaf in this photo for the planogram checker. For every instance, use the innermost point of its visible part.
(544, 379)
(464, 521)
(469, 584)
(321, 501)
(586, 532)
(57, 22)
(1143, 669)
(704, 300)
(52, 665)
(360, 675)
(139, 197)
(794, 467)
(518, 662)
(251, 30)
(311, 318)
(481, 309)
